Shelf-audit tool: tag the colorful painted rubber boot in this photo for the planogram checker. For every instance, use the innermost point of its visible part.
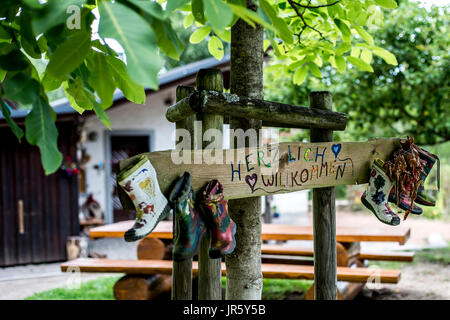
(140, 182)
(375, 198)
(428, 160)
(189, 227)
(405, 200)
(218, 221)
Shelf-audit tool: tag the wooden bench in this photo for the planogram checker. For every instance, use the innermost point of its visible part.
(291, 260)
(271, 232)
(270, 271)
(308, 252)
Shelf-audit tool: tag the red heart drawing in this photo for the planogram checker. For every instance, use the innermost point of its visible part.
(251, 180)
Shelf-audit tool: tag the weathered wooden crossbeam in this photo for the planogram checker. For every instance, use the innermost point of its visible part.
(272, 114)
(273, 169)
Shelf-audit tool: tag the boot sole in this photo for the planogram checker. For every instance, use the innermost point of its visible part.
(368, 206)
(130, 235)
(404, 207)
(425, 202)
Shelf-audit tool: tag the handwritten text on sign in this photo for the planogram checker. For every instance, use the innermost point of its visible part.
(290, 166)
(285, 167)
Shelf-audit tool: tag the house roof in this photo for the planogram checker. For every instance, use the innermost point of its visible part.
(62, 106)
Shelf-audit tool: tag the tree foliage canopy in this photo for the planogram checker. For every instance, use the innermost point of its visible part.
(70, 35)
(409, 99)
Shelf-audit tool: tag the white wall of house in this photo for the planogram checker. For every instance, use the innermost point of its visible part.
(128, 116)
(151, 117)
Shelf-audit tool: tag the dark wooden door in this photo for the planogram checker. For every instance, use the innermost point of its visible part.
(123, 147)
(50, 203)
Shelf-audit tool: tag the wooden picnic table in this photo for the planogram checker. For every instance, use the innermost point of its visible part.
(273, 232)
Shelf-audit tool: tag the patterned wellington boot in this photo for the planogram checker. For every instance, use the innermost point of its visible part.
(218, 221)
(405, 201)
(428, 160)
(375, 197)
(189, 227)
(140, 182)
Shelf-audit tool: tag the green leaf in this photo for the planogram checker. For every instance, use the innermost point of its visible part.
(54, 13)
(360, 64)
(100, 112)
(345, 30)
(71, 99)
(69, 55)
(355, 52)
(188, 21)
(32, 3)
(132, 90)
(151, 7)
(78, 92)
(340, 63)
(300, 75)
(167, 39)
(28, 39)
(137, 39)
(199, 34)
(250, 16)
(172, 5)
(215, 47)
(18, 132)
(344, 47)
(101, 78)
(280, 24)
(41, 131)
(4, 35)
(21, 88)
(314, 69)
(219, 14)
(50, 83)
(14, 61)
(366, 56)
(386, 55)
(390, 4)
(225, 35)
(364, 34)
(198, 10)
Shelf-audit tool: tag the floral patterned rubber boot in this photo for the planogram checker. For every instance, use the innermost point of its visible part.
(375, 198)
(140, 182)
(405, 200)
(189, 227)
(428, 160)
(218, 221)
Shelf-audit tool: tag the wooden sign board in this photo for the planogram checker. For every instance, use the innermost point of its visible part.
(273, 169)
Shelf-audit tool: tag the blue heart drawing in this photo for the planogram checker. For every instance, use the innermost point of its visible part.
(336, 148)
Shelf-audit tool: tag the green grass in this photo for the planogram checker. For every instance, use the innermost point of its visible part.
(98, 289)
(102, 289)
(441, 255)
(438, 255)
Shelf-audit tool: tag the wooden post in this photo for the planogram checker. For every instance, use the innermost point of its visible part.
(182, 270)
(324, 217)
(209, 270)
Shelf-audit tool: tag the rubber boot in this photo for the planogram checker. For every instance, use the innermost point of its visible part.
(223, 228)
(189, 227)
(140, 183)
(375, 198)
(428, 160)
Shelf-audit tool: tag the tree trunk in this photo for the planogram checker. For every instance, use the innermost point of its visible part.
(244, 276)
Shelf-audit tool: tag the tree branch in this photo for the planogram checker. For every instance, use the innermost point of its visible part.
(308, 6)
(294, 5)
